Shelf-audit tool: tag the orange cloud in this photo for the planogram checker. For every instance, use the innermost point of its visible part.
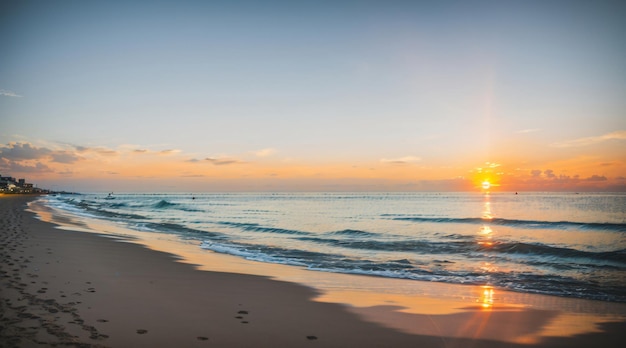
(168, 152)
(402, 160)
(551, 180)
(617, 135)
(222, 161)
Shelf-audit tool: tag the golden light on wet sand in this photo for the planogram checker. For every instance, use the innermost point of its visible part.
(486, 298)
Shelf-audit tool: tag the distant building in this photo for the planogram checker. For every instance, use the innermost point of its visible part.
(9, 184)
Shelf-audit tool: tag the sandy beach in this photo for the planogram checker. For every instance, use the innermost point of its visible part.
(62, 287)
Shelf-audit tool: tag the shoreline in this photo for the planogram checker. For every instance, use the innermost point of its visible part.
(81, 288)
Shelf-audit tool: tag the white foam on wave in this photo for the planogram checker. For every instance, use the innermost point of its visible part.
(247, 254)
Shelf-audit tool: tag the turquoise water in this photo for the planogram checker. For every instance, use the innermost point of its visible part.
(571, 245)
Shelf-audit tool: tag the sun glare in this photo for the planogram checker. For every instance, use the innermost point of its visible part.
(486, 297)
(486, 185)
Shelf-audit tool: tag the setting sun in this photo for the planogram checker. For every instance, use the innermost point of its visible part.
(486, 185)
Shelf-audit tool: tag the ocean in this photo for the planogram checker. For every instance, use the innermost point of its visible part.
(563, 244)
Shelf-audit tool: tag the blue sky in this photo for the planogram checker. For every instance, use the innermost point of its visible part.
(437, 87)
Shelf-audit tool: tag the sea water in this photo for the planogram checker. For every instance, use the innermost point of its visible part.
(571, 245)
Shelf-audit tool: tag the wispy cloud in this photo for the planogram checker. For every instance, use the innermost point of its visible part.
(7, 93)
(103, 151)
(223, 161)
(492, 165)
(531, 130)
(80, 148)
(596, 178)
(137, 150)
(401, 160)
(265, 152)
(64, 157)
(168, 152)
(617, 135)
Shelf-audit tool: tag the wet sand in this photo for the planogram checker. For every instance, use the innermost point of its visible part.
(61, 287)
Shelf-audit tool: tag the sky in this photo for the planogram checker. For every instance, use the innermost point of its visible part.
(314, 95)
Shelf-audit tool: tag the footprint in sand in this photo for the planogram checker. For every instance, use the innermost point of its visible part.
(142, 331)
(241, 317)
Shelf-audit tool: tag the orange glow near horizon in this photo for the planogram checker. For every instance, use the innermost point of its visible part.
(122, 168)
(486, 178)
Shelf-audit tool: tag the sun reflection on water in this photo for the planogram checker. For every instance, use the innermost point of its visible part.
(486, 235)
(486, 231)
(487, 215)
(485, 239)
